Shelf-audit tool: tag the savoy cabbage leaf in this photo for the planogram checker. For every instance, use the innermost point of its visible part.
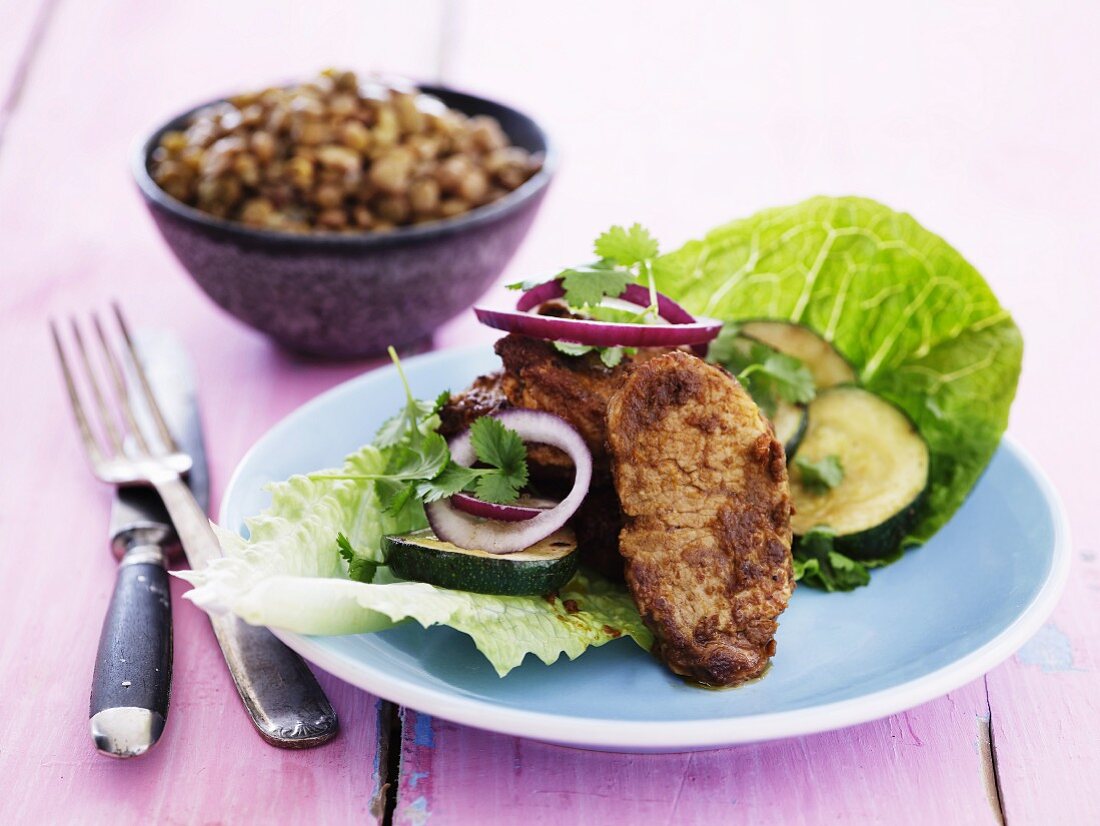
(916, 320)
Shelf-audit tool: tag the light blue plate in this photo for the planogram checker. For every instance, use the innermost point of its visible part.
(940, 617)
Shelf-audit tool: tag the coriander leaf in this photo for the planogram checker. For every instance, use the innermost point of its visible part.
(602, 312)
(496, 487)
(502, 449)
(496, 444)
(404, 425)
(571, 349)
(820, 476)
(588, 286)
(525, 285)
(728, 348)
(766, 373)
(913, 317)
(453, 479)
(816, 564)
(398, 500)
(412, 423)
(441, 401)
(627, 246)
(778, 375)
(426, 461)
(611, 356)
(406, 509)
(360, 568)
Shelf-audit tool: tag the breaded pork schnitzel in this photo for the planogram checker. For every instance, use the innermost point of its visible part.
(702, 483)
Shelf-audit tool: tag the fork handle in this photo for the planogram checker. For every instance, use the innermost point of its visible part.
(287, 705)
(133, 669)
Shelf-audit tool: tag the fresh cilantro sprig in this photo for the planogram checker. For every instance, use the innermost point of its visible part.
(412, 424)
(506, 456)
(819, 565)
(626, 256)
(418, 465)
(610, 356)
(360, 569)
(820, 476)
(587, 286)
(767, 374)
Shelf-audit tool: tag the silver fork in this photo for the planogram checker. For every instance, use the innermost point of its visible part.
(280, 693)
(132, 457)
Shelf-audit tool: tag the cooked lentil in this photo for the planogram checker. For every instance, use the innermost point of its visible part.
(338, 155)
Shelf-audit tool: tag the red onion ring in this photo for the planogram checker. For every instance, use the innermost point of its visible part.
(599, 333)
(492, 536)
(668, 309)
(505, 513)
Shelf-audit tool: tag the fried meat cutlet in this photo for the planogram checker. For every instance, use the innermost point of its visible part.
(577, 388)
(482, 398)
(703, 486)
(539, 377)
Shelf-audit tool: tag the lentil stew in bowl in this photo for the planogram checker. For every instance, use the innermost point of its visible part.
(322, 266)
(338, 155)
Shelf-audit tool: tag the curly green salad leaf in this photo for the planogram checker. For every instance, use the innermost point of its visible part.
(299, 566)
(817, 564)
(918, 323)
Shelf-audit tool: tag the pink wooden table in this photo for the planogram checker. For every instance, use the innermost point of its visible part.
(979, 118)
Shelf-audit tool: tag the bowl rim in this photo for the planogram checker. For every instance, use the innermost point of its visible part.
(531, 188)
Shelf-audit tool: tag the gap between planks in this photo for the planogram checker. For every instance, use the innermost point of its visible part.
(988, 746)
(392, 724)
(42, 20)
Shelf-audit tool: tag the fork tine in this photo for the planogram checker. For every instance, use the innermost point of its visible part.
(143, 380)
(122, 392)
(105, 415)
(86, 436)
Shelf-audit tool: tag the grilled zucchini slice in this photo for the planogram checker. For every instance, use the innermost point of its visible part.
(790, 419)
(544, 567)
(885, 463)
(790, 422)
(827, 366)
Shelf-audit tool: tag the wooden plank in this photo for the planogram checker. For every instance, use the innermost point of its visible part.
(74, 234)
(688, 119)
(1046, 712)
(925, 766)
(25, 22)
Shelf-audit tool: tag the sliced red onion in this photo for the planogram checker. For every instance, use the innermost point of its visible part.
(496, 537)
(599, 333)
(505, 513)
(636, 294)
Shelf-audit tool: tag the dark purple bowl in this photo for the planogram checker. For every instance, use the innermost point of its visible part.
(353, 295)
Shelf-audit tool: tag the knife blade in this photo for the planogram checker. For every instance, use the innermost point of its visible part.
(172, 379)
(283, 699)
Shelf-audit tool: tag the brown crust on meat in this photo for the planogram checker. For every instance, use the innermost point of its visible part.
(537, 376)
(703, 487)
(597, 523)
(577, 388)
(482, 398)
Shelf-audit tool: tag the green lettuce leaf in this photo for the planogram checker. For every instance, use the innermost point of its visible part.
(293, 573)
(818, 565)
(915, 319)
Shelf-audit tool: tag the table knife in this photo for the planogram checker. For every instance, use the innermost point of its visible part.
(131, 684)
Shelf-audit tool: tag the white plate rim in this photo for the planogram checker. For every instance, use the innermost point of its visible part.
(647, 736)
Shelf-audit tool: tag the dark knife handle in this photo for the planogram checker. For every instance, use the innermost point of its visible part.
(133, 669)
